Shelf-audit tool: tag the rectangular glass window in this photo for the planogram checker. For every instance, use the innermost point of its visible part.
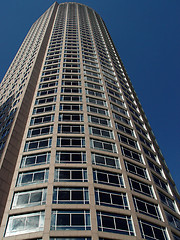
(149, 153)
(70, 142)
(135, 169)
(71, 107)
(70, 157)
(111, 199)
(70, 195)
(95, 93)
(25, 223)
(71, 90)
(121, 118)
(72, 129)
(101, 132)
(33, 132)
(42, 119)
(45, 100)
(96, 101)
(104, 146)
(128, 141)
(108, 178)
(167, 201)
(71, 98)
(29, 198)
(71, 117)
(44, 109)
(99, 121)
(97, 110)
(47, 92)
(70, 175)
(147, 208)
(37, 144)
(104, 160)
(152, 231)
(70, 220)
(34, 177)
(160, 183)
(36, 159)
(141, 187)
(131, 154)
(124, 129)
(155, 168)
(115, 223)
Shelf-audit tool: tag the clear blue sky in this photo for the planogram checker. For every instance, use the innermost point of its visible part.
(147, 37)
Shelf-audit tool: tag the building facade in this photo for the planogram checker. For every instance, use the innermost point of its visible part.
(79, 160)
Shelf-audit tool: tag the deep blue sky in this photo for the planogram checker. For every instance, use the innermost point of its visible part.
(147, 37)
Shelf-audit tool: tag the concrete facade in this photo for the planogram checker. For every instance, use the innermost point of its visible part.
(79, 160)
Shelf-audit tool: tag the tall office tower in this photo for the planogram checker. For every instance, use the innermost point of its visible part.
(78, 158)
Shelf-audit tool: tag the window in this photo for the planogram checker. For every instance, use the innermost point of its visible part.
(70, 220)
(45, 100)
(39, 110)
(71, 98)
(36, 159)
(167, 201)
(96, 80)
(99, 121)
(37, 144)
(104, 146)
(147, 208)
(97, 110)
(48, 84)
(155, 167)
(95, 93)
(29, 198)
(121, 118)
(104, 160)
(111, 199)
(131, 154)
(71, 107)
(160, 183)
(141, 187)
(124, 129)
(70, 117)
(109, 222)
(40, 131)
(128, 141)
(70, 195)
(70, 90)
(117, 101)
(47, 92)
(96, 101)
(118, 109)
(70, 142)
(71, 83)
(150, 231)
(35, 177)
(173, 221)
(42, 119)
(145, 141)
(101, 132)
(70, 175)
(135, 169)
(25, 223)
(149, 153)
(108, 178)
(73, 129)
(95, 86)
(70, 157)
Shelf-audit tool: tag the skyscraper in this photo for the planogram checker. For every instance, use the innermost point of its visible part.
(77, 152)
